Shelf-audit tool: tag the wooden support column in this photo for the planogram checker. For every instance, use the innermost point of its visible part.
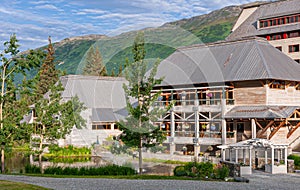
(236, 155)
(244, 156)
(172, 143)
(272, 159)
(223, 110)
(285, 157)
(223, 154)
(196, 140)
(253, 128)
(266, 156)
(250, 158)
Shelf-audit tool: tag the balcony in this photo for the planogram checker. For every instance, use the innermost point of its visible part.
(203, 134)
(194, 102)
(205, 138)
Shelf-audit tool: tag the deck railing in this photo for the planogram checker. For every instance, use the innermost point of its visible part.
(203, 134)
(194, 102)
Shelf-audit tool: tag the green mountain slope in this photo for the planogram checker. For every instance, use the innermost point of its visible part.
(160, 42)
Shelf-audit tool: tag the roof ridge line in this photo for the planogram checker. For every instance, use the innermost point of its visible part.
(263, 59)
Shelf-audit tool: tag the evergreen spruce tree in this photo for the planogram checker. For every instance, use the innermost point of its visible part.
(138, 129)
(48, 74)
(112, 73)
(93, 64)
(54, 117)
(120, 70)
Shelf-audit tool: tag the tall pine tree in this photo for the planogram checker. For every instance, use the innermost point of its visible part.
(54, 117)
(93, 64)
(48, 75)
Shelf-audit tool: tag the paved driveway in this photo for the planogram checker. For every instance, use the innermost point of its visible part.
(257, 181)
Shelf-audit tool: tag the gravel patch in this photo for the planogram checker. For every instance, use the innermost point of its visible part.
(258, 181)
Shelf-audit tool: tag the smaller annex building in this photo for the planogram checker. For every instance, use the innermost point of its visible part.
(230, 91)
(104, 99)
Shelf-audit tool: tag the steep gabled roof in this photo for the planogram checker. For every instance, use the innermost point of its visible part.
(270, 10)
(241, 60)
(95, 92)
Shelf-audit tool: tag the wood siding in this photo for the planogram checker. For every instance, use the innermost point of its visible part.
(249, 93)
(288, 96)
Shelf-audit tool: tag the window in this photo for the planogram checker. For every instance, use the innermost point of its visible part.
(279, 20)
(294, 34)
(293, 48)
(297, 60)
(279, 48)
(277, 84)
(105, 126)
(240, 127)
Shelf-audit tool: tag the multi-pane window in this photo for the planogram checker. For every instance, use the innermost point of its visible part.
(279, 21)
(103, 126)
(294, 48)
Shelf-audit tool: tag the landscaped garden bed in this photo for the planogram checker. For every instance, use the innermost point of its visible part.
(202, 170)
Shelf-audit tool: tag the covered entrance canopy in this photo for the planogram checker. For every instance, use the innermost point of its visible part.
(274, 162)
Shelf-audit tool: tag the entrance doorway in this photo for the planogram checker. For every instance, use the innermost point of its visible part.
(240, 131)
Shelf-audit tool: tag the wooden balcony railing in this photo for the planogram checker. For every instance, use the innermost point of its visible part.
(193, 102)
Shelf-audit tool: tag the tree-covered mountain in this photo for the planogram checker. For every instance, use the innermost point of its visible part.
(160, 42)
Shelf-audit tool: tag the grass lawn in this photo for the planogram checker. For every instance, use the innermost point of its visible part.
(9, 185)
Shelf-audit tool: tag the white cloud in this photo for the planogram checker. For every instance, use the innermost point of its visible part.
(94, 11)
(49, 7)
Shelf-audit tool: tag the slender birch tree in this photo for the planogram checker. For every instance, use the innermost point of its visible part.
(139, 129)
(12, 64)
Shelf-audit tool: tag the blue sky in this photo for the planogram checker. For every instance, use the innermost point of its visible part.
(34, 20)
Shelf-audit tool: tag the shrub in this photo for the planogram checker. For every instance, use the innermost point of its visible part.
(221, 171)
(295, 158)
(32, 169)
(194, 169)
(180, 171)
(205, 169)
(105, 170)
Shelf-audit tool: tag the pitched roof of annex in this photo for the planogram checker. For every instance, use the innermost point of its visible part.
(94, 91)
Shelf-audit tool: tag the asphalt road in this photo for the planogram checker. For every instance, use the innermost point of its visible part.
(258, 181)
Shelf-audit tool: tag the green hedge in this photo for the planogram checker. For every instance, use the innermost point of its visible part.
(203, 170)
(105, 170)
(295, 158)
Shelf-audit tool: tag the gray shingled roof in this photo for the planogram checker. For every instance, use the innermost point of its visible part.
(267, 112)
(281, 8)
(108, 114)
(95, 92)
(250, 59)
(104, 95)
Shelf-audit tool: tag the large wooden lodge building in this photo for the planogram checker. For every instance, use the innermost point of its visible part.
(245, 87)
(230, 91)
